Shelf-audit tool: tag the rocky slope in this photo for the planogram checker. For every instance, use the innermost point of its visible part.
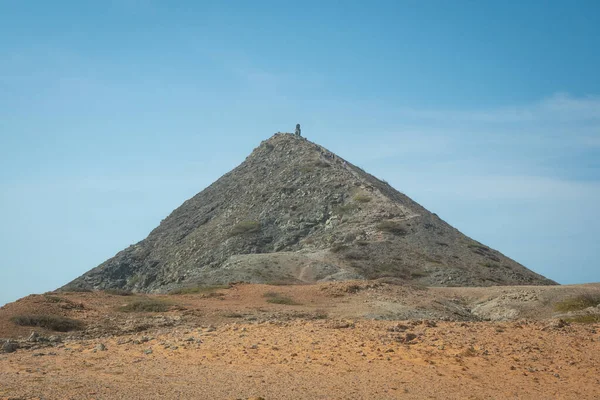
(294, 212)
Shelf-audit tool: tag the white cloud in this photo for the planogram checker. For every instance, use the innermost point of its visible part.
(564, 106)
(558, 107)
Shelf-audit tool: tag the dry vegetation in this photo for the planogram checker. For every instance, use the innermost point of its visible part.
(118, 292)
(578, 303)
(393, 227)
(146, 305)
(199, 289)
(278, 298)
(50, 322)
(245, 227)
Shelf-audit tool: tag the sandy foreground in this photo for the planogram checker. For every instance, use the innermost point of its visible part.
(217, 354)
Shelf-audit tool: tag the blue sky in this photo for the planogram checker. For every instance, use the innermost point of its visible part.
(113, 113)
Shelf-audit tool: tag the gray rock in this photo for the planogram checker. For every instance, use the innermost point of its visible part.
(34, 337)
(55, 339)
(10, 346)
(148, 351)
(101, 347)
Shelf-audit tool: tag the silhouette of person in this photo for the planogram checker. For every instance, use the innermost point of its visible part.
(298, 131)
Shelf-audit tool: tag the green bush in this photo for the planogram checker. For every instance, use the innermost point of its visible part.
(245, 227)
(146, 305)
(208, 289)
(392, 227)
(51, 322)
(578, 302)
(585, 319)
(278, 298)
(362, 198)
(418, 274)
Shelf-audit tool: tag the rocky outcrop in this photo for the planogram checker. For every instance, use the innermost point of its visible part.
(294, 212)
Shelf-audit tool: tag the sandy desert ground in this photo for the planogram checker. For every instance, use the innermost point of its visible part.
(351, 340)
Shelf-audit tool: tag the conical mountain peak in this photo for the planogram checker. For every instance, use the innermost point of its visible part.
(295, 212)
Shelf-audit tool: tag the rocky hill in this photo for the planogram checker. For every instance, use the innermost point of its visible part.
(293, 212)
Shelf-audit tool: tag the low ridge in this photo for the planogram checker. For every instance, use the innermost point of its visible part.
(293, 212)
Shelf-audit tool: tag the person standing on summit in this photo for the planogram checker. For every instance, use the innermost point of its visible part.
(297, 133)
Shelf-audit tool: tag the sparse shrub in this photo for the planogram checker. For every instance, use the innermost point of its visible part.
(322, 164)
(490, 265)
(392, 227)
(51, 322)
(338, 247)
(146, 305)
(206, 290)
(245, 227)
(468, 352)
(133, 280)
(418, 274)
(362, 198)
(353, 289)
(430, 259)
(283, 282)
(55, 299)
(233, 315)
(417, 286)
(390, 280)
(354, 255)
(345, 209)
(76, 289)
(321, 314)
(307, 168)
(63, 303)
(577, 303)
(585, 319)
(478, 247)
(118, 292)
(278, 298)
(391, 271)
(283, 300)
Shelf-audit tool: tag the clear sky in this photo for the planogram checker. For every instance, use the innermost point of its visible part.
(112, 113)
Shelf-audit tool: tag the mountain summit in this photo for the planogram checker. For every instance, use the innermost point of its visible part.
(294, 212)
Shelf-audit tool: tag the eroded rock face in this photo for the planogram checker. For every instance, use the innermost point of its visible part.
(295, 212)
